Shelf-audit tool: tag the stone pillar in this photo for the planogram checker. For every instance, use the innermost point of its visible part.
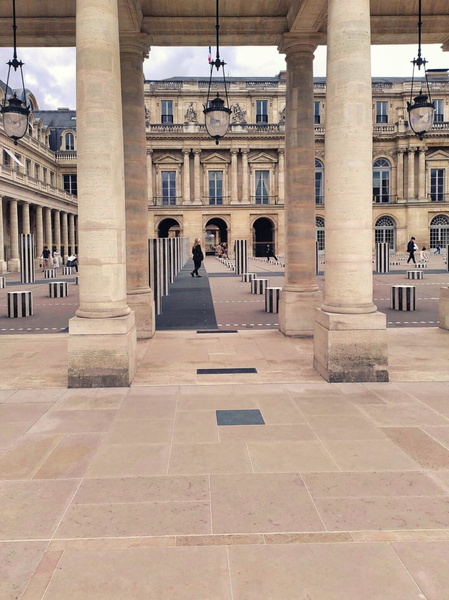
(102, 335)
(197, 176)
(400, 174)
(411, 174)
(65, 236)
(39, 232)
(48, 235)
(300, 294)
(57, 231)
(234, 176)
(26, 218)
(150, 176)
(350, 338)
(72, 233)
(186, 176)
(14, 261)
(281, 175)
(245, 176)
(3, 265)
(139, 295)
(422, 173)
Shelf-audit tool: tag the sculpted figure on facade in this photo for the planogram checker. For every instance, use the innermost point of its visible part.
(238, 114)
(282, 116)
(191, 116)
(147, 116)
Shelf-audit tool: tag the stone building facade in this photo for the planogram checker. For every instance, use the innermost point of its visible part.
(38, 186)
(236, 190)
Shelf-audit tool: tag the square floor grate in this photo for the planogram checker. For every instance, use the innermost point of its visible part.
(240, 417)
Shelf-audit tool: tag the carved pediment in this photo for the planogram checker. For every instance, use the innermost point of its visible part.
(438, 155)
(167, 159)
(262, 157)
(215, 158)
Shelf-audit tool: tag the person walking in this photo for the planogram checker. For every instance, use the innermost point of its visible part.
(411, 249)
(56, 259)
(270, 253)
(198, 257)
(438, 250)
(46, 254)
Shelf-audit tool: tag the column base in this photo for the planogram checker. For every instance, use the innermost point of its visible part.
(14, 265)
(102, 352)
(3, 266)
(143, 306)
(350, 348)
(297, 312)
(444, 308)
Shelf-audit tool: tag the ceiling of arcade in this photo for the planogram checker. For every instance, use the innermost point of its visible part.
(242, 22)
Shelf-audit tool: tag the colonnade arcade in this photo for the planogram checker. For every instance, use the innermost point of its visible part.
(116, 307)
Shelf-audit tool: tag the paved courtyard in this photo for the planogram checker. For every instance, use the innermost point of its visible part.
(170, 490)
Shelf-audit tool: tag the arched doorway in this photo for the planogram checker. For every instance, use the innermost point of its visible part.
(439, 231)
(168, 228)
(384, 231)
(215, 232)
(263, 234)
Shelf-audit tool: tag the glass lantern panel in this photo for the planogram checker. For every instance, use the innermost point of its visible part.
(15, 124)
(421, 118)
(217, 122)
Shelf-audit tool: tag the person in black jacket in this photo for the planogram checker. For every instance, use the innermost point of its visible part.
(411, 248)
(198, 257)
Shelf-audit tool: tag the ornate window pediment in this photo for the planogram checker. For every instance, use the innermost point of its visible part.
(262, 158)
(216, 158)
(167, 159)
(438, 155)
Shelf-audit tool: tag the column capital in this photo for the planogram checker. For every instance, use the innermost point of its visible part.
(131, 43)
(412, 149)
(149, 151)
(423, 149)
(281, 150)
(245, 150)
(302, 42)
(186, 151)
(400, 151)
(234, 150)
(197, 151)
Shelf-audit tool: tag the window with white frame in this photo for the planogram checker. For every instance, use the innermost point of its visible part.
(6, 159)
(319, 182)
(166, 111)
(168, 188)
(384, 231)
(44, 175)
(262, 111)
(381, 111)
(439, 231)
(69, 141)
(438, 116)
(215, 187)
(320, 236)
(317, 112)
(437, 185)
(52, 178)
(381, 180)
(70, 184)
(37, 171)
(28, 166)
(262, 187)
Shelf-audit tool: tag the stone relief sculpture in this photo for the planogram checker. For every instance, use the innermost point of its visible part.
(147, 116)
(191, 116)
(238, 114)
(282, 116)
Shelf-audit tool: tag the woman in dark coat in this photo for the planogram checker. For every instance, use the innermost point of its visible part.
(198, 257)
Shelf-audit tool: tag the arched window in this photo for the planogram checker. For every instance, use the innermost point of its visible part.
(319, 221)
(385, 231)
(69, 141)
(439, 231)
(319, 182)
(381, 181)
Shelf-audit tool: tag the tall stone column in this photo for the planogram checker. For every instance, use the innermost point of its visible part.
(72, 233)
(65, 236)
(48, 234)
(58, 230)
(3, 265)
(197, 176)
(400, 174)
(14, 261)
(350, 338)
(102, 335)
(234, 180)
(186, 176)
(39, 231)
(281, 175)
(133, 50)
(245, 176)
(26, 218)
(422, 173)
(300, 294)
(150, 176)
(411, 173)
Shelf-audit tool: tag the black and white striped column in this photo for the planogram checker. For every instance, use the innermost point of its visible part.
(153, 248)
(241, 256)
(403, 297)
(272, 295)
(258, 286)
(383, 257)
(58, 289)
(247, 277)
(20, 304)
(67, 270)
(27, 274)
(50, 273)
(2, 283)
(415, 275)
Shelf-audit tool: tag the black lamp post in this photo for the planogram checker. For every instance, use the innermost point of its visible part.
(421, 111)
(14, 110)
(217, 115)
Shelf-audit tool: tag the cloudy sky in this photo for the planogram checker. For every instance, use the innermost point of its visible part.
(50, 72)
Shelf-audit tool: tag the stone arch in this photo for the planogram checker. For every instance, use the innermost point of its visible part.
(263, 230)
(168, 227)
(385, 231)
(216, 231)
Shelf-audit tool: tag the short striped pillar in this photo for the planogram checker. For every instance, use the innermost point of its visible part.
(20, 304)
(403, 297)
(415, 275)
(2, 282)
(246, 277)
(241, 256)
(258, 286)
(383, 257)
(421, 265)
(58, 289)
(272, 295)
(27, 258)
(50, 273)
(67, 270)
(76, 280)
